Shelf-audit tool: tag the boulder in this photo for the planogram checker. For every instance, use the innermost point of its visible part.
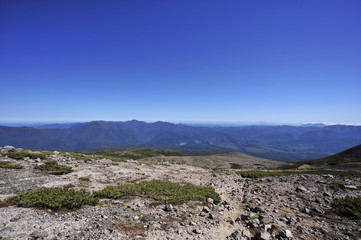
(8, 149)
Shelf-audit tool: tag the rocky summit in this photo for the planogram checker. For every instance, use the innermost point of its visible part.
(296, 205)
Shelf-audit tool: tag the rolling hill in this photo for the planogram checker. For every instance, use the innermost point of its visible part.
(348, 159)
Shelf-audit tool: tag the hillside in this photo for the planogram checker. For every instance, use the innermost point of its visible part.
(222, 160)
(67, 195)
(282, 143)
(348, 159)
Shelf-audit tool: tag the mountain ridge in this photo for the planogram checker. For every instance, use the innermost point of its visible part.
(282, 142)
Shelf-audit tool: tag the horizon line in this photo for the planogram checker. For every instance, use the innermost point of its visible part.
(191, 122)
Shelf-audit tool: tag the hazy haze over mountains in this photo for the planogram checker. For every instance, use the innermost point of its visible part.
(274, 142)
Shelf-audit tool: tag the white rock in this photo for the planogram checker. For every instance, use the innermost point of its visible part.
(288, 234)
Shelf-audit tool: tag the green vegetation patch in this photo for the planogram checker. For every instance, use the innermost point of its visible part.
(152, 152)
(347, 206)
(54, 168)
(6, 164)
(336, 185)
(135, 154)
(53, 198)
(84, 179)
(235, 166)
(258, 174)
(263, 174)
(164, 191)
(23, 154)
(81, 156)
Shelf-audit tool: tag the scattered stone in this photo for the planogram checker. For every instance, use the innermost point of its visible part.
(236, 235)
(245, 217)
(266, 209)
(262, 235)
(288, 234)
(301, 189)
(205, 209)
(16, 218)
(230, 220)
(327, 194)
(168, 207)
(210, 200)
(351, 187)
(8, 149)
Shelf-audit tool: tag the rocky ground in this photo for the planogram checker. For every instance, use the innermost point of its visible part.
(286, 207)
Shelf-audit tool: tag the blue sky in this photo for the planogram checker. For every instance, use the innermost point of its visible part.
(248, 61)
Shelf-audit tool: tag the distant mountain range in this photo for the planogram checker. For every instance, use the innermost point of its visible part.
(283, 143)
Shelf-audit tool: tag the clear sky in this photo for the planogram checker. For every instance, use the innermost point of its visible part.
(181, 60)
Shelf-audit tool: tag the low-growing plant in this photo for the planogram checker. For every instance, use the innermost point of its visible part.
(336, 185)
(304, 167)
(259, 174)
(54, 168)
(53, 198)
(113, 163)
(6, 164)
(289, 166)
(235, 166)
(84, 179)
(164, 191)
(315, 227)
(24, 154)
(81, 157)
(347, 206)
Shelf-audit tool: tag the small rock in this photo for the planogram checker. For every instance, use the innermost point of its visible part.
(236, 235)
(262, 235)
(213, 217)
(168, 208)
(210, 200)
(202, 214)
(351, 187)
(327, 194)
(257, 209)
(246, 233)
(301, 189)
(205, 209)
(173, 226)
(327, 176)
(288, 234)
(192, 223)
(230, 220)
(306, 210)
(16, 218)
(245, 217)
